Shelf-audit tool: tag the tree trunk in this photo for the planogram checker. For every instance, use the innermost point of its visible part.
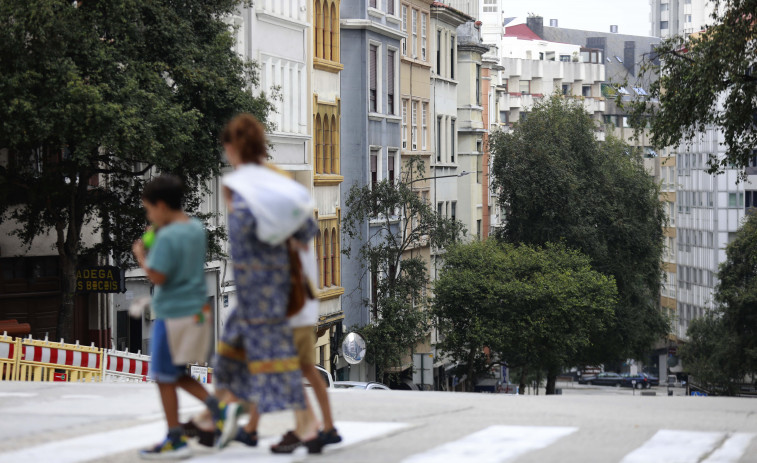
(522, 382)
(471, 370)
(551, 382)
(68, 244)
(68, 266)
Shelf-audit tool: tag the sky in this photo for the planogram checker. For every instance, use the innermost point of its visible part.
(631, 16)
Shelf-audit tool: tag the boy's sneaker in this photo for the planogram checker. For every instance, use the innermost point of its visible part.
(226, 424)
(250, 439)
(167, 450)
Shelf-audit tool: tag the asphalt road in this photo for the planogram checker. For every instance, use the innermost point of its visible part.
(55, 422)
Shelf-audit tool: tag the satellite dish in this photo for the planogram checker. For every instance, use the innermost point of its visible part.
(353, 348)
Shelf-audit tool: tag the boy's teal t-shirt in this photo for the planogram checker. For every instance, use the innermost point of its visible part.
(179, 254)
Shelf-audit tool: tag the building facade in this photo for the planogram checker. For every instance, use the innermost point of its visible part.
(371, 142)
(679, 17)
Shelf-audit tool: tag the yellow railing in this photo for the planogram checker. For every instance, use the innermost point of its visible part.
(9, 351)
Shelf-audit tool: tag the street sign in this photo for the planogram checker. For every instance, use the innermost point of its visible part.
(199, 373)
(101, 279)
(353, 348)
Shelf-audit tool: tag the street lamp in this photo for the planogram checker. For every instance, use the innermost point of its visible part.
(461, 174)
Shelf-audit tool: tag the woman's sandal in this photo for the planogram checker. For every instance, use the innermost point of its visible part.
(323, 439)
(288, 444)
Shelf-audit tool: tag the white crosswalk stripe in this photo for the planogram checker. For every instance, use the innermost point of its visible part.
(104, 444)
(495, 444)
(688, 446)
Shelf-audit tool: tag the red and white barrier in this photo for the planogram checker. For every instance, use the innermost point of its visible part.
(126, 367)
(51, 361)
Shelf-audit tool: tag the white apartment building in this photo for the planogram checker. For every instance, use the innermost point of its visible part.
(679, 17)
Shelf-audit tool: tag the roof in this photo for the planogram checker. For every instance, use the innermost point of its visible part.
(521, 32)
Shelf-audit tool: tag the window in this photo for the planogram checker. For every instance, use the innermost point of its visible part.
(390, 82)
(671, 214)
(319, 28)
(490, 6)
(741, 199)
(687, 18)
(390, 166)
(565, 89)
(374, 168)
(424, 126)
(586, 90)
(452, 57)
(404, 124)
(732, 200)
(326, 139)
(524, 87)
(478, 84)
(424, 22)
(620, 60)
(414, 133)
(327, 258)
(565, 58)
(479, 169)
(404, 29)
(438, 52)
(664, 6)
(373, 3)
(453, 210)
(414, 25)
(478, 228)
(452, 137)
(663, 25)
(373, 79)
(438, 139)
(390, 7)
(440, 209)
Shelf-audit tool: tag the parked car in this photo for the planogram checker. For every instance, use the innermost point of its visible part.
(643, 380)
(326, 377)
(369, 386)
(602, 379)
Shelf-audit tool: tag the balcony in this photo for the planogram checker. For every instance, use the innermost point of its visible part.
(287, 10)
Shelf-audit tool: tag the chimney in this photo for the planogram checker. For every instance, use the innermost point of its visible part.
(613, 29)
(536, 24)
(552, 23)
(629, 56)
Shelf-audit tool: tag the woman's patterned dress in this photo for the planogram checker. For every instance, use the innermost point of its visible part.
(256, 357)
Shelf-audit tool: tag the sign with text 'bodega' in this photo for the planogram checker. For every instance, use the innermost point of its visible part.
(99, 280)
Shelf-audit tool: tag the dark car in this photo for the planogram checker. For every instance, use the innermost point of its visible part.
(602, 379)
(643, 380)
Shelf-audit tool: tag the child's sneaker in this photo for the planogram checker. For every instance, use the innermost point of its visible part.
(226, 423)
(167, 450)
(250, 439)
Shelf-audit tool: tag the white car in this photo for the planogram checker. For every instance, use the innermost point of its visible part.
(326, 377)
(369, 386)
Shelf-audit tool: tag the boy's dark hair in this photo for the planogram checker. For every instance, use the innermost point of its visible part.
(166, 188)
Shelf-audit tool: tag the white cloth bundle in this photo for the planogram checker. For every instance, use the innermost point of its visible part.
(280, 205)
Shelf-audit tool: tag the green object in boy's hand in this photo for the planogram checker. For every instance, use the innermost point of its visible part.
(148, 239)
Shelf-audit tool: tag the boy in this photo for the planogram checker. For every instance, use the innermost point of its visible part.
(181, 332)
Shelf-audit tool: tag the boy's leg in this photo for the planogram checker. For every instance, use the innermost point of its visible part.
(319, 388)
(194, 387)
(170, 402)
(252, 424)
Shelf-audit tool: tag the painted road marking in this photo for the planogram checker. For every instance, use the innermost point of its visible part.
(495, 444)
(18, 394)
(687, 446)
(353, 433)
(90, 447)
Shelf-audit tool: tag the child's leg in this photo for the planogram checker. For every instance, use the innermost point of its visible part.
(170, 404)
(194, 387)
(252, 423)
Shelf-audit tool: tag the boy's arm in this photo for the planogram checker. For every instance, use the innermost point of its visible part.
(140, 254)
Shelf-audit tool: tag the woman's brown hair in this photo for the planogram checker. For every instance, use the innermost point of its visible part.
(247, 135)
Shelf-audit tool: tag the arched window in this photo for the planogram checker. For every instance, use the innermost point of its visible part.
(334, 146)
(334, 258)
(329, 25)
(326, 259)
(326, 146)
(319, 257)
(334, 33)
(319, 29)
(318, 145)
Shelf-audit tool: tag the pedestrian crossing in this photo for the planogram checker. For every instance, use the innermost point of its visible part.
(493, 444)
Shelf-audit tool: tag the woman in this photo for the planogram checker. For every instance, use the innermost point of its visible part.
(256, 361)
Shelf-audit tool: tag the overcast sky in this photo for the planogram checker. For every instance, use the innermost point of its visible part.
(631, 16)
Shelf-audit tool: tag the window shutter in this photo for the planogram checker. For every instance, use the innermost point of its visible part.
(390, 73)
(373, 67)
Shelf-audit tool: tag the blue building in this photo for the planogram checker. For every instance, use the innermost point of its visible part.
(371, 40)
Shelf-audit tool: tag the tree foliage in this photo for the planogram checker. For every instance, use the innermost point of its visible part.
(536, 309)
(401, 225)
(559, 184)
(722, 347)
(706, 79)
(111, 90)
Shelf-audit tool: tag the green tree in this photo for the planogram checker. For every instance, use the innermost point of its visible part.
(536, 309)
(110, 91)
(722, 347)
(559, 184)
(706, 79)
(402, 223)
